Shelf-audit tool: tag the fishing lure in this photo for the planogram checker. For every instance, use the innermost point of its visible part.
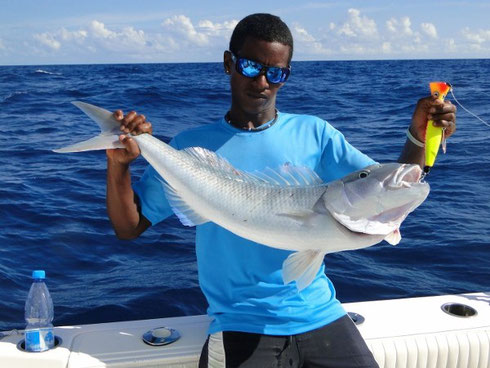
(435, 135)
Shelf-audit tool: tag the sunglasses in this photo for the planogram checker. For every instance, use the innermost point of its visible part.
(251, 69)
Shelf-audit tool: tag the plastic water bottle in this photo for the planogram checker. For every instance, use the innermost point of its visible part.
(39, 315)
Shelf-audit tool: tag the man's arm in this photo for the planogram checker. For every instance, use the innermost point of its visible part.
(125, 216)
(443, 113)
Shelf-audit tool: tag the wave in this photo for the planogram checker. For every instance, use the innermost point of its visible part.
(12, 96)
(41, 71)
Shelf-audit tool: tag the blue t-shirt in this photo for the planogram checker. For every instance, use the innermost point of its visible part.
(241, 279)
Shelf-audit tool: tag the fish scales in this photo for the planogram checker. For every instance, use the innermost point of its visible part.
(234, 203)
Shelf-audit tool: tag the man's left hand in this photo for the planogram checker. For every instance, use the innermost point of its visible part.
(443, 113)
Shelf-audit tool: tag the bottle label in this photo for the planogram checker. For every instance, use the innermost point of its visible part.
(40, 339)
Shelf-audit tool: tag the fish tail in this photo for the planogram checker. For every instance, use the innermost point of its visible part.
(108, 137)
(302, 267)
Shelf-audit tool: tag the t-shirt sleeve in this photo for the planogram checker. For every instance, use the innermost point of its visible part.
(149, 189)
(339, 157)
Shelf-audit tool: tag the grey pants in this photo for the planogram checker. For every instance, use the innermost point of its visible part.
(336, 345)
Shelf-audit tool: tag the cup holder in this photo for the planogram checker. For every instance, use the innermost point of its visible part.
(459, 310)
(22, 345)
(161, 336)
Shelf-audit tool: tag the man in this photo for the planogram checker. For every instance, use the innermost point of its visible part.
(257, 321)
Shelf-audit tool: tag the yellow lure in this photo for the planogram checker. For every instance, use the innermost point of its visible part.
(433, 135)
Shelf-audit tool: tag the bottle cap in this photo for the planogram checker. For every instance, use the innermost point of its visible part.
(38, 274)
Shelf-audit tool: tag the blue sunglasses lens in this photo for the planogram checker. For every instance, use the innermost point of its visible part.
(251, 69)
(277, 75)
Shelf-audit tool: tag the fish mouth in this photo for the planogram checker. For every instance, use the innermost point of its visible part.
(405, 177)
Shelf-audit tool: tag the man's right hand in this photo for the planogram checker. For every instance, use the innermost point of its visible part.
(130, 123)
(122, 206)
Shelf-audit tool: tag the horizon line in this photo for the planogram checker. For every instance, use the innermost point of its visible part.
(219, 62)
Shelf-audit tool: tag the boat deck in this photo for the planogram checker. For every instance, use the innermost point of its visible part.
(411, 332)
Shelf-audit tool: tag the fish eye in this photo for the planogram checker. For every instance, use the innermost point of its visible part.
(436, 94)
(363, 174)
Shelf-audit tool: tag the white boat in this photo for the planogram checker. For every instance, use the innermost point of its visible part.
(445, 331)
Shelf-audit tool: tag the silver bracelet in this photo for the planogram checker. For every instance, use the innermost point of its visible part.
(414, 140)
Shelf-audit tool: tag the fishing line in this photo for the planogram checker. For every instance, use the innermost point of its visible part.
(468, 111)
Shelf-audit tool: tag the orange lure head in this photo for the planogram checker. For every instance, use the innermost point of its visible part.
(439, 89)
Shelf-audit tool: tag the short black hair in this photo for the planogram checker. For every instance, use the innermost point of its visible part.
(261, 26)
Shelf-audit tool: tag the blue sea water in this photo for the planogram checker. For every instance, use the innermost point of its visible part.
(52, 206)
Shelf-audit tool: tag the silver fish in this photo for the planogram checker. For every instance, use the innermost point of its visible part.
(288, 208)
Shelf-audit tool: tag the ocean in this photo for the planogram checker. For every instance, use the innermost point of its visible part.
(52, 206)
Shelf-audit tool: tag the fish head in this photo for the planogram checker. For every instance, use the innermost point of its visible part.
(377, 199)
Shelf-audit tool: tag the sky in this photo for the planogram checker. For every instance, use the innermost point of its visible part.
(40, 32)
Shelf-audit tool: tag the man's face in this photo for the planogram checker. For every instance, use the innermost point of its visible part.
(253, 96)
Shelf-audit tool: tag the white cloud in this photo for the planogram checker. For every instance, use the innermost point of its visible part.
(306, 43)
(429, 29)
(54, 40)
(359, 35)
(386, 48)
(179, 38)
(478, 37)
(403, 39)
(74, 35)
(99, 30)
(302, 35)
(2, 46)
(218, 29)
(123, 40)
(131, 36)
(182, 26)
(183, 35)
(97, 36)
(451, 45)
(391, 24)
(401, 27)
(406, 25)
(355, 49)
(48, 39)
(357, 25)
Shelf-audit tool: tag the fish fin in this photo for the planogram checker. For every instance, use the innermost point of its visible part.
(220, 164)
(185, 214)
(394, 237)
(285, 175)
(209, 157)
(109, 126)
(104, 118)
(289, 175)
(96, 143)
(302, 267)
